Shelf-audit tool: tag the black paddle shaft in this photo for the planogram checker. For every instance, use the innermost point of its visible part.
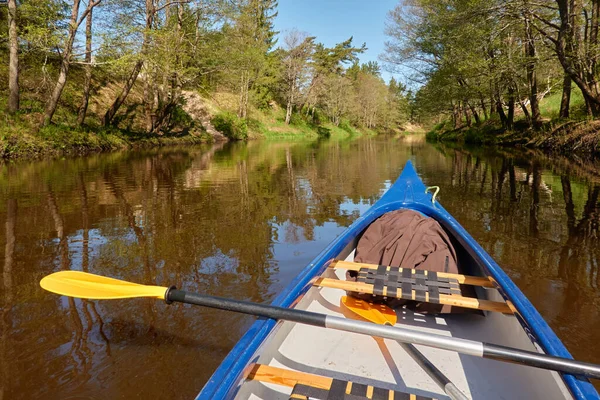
(246, 307)
(465, 346)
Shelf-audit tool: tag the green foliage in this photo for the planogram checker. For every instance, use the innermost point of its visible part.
(467, 62)
(323, 132)
(230, 125)
(180, 117)
(478, 135)
(210, 47)
(550, 105)
(345, 125)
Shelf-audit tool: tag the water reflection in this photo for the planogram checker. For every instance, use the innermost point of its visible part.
(241, 220)
(538, 217)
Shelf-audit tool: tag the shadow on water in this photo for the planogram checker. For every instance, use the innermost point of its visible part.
(241, 220)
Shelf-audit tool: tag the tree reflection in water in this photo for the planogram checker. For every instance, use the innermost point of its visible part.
(241, 220)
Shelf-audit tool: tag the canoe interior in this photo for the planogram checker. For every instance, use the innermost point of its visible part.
(384, 363)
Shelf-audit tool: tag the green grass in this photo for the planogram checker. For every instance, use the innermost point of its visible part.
(490, 131)
(19, 138)
(550, 105)
(271, 125)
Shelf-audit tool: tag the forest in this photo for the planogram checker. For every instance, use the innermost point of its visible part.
(521, 64)
(72, 66)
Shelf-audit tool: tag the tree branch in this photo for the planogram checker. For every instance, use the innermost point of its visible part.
(545, 21)
(170, 4)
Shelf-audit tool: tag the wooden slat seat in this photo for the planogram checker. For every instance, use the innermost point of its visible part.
(412, 284)
(462, 279)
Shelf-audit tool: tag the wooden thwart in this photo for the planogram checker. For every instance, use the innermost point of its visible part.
(452, 300)
(295, 379)
(462, 279)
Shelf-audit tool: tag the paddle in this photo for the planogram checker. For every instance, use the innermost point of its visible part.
(384, 315)
(90, 286)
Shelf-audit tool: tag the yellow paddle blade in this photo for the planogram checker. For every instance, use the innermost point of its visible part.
(377, 313)
(90, 286)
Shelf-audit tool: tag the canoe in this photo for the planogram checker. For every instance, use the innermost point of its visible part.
(275, 358)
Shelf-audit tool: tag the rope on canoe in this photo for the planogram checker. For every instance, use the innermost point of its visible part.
(437, 189)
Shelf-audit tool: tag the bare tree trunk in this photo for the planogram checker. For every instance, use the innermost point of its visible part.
(455, 116)
(165, 99)
(525, 110)
(88, 70)
(511, 107)
(475, 113)
(467, 115)
(244, 89)
(64, 66)
(13, 63)
(66, 59)
(290, 104)
(531, 74)
(114, 108)
(500, 111)
(148, 101)
(566, 97)
(485, 114)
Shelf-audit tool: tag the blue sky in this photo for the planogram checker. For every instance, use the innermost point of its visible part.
(333, 21)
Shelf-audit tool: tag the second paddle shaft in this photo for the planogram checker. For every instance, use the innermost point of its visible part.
(449, 388)
(463, 346)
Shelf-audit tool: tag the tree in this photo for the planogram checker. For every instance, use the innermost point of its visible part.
(477, 55)
(371, 94)
(88, 70)
(150, 11)
(13, 63)
(326, 62)
(299, 50)
(66, 53)
(336, 97)
(253, 37)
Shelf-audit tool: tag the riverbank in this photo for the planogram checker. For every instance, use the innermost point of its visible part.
(198, 120)
(58, 141)
(581, 136)
(576, 135)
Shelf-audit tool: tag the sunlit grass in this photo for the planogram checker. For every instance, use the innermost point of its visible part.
(550, 105)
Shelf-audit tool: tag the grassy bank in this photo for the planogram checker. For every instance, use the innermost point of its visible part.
(269, 123)
(59, 140)
(20, 138)
(576, 134)
(199, 120)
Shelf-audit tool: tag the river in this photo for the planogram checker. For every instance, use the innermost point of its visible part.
(241, 220)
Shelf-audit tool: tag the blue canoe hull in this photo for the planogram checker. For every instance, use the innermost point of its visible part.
(407, 192)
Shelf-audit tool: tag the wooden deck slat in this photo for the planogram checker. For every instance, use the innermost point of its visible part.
(462, 279)
(453, 300)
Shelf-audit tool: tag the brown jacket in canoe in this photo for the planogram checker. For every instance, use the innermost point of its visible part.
(405, 238)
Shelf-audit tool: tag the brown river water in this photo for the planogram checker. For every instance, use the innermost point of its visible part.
(241, 220)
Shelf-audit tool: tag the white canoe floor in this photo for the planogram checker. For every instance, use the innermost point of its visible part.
(383, 362)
